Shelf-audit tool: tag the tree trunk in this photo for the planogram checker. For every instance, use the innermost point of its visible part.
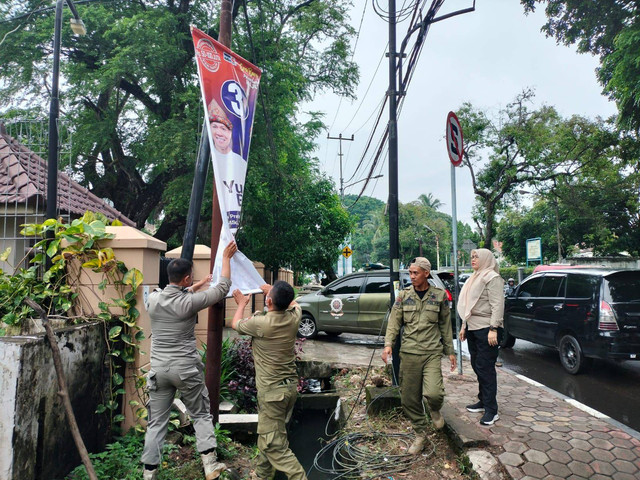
(489, 219)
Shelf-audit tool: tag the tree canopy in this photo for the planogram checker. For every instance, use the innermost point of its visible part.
(419, 224)
(523, 147)
(609, 29)
(130, 90)
(597, 208)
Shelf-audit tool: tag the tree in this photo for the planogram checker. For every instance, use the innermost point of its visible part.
(137, 107)
(517, 227)
(370, 238)
(430, 201)
(597, 208)
(524, 147)
(368, 215)
(609, 29)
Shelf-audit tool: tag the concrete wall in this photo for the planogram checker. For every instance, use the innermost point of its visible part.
(35, 441)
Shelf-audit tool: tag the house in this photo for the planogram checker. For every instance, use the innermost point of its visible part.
(23, 194)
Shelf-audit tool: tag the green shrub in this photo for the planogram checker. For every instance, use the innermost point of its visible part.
(512, 272)
(120, 460)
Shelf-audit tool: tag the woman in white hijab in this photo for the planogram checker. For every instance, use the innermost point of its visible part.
(481, 308)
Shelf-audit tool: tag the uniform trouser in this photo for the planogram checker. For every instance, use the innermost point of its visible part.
(420, 377)
(163, 383)
(483, 362)
(275, 407)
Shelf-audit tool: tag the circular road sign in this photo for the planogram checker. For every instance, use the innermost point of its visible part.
(455, 148)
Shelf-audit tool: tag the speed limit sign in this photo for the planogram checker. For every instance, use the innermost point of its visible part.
(455, 147)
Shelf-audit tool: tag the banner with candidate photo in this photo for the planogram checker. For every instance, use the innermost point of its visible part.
(229, 86)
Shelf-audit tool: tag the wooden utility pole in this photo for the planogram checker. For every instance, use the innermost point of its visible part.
(216, 312)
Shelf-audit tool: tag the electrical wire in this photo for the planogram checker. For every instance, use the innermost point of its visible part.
(372, 454)
(402, 9)
(355, 46)
(420, 25)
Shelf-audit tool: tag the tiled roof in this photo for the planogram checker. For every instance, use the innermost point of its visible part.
(23, 177)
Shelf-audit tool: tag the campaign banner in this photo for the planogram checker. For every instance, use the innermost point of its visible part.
(229, 86)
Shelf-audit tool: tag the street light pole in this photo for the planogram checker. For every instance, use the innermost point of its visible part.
(54, 111)
(437, 246)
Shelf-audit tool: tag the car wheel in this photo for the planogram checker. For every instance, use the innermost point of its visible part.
(571, 356)
(507, 341)
(307, 327)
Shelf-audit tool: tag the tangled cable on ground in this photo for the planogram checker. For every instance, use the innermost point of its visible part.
(369, 455)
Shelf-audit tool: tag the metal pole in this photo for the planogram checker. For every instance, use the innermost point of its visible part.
(394, 263)
(197, 192)
(54, 112)
(454, 233)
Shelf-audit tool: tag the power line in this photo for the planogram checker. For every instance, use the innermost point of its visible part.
(355, 46)
(422, 27)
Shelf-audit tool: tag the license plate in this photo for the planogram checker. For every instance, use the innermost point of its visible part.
(633, 355)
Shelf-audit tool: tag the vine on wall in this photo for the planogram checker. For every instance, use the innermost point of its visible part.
(75, 244)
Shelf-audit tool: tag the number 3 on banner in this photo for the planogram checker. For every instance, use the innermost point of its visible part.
(234, 98)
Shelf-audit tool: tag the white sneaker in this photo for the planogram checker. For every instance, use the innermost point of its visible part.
(212, 468)
(489, 418)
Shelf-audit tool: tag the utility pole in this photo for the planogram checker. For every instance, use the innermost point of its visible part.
(394, 262)
(341, 138)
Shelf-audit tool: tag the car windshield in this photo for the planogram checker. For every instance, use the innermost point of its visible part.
(624, 286)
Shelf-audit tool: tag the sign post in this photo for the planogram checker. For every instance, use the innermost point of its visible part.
(345, 262)
(455, 150)
(534, 250)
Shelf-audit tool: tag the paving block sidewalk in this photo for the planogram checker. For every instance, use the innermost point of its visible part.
(539, 435)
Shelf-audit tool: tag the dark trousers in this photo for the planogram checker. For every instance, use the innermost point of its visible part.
(483, 361)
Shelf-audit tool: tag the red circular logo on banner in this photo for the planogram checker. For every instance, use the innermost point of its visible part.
(455, 147)
(208, 55)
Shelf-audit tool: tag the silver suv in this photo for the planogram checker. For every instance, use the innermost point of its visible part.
(355, 303)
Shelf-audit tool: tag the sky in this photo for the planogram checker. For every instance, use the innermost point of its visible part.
(485, 57)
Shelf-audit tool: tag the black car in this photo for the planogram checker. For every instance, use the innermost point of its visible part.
(355, 303)
(585, 313)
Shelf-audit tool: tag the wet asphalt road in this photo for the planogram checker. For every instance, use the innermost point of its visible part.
(610, 387)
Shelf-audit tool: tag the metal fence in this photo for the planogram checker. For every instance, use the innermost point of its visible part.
(15, 211)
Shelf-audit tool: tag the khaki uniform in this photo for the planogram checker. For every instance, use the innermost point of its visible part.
(426, 336)
(176, 365)
(274, 336)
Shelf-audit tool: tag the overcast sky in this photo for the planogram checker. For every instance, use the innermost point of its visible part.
(485, 57)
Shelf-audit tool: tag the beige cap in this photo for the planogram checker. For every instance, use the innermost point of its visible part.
(422, 262)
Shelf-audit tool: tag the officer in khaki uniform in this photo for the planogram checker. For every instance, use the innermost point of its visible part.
(423, 310)
(176, 363)
(273, 340)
